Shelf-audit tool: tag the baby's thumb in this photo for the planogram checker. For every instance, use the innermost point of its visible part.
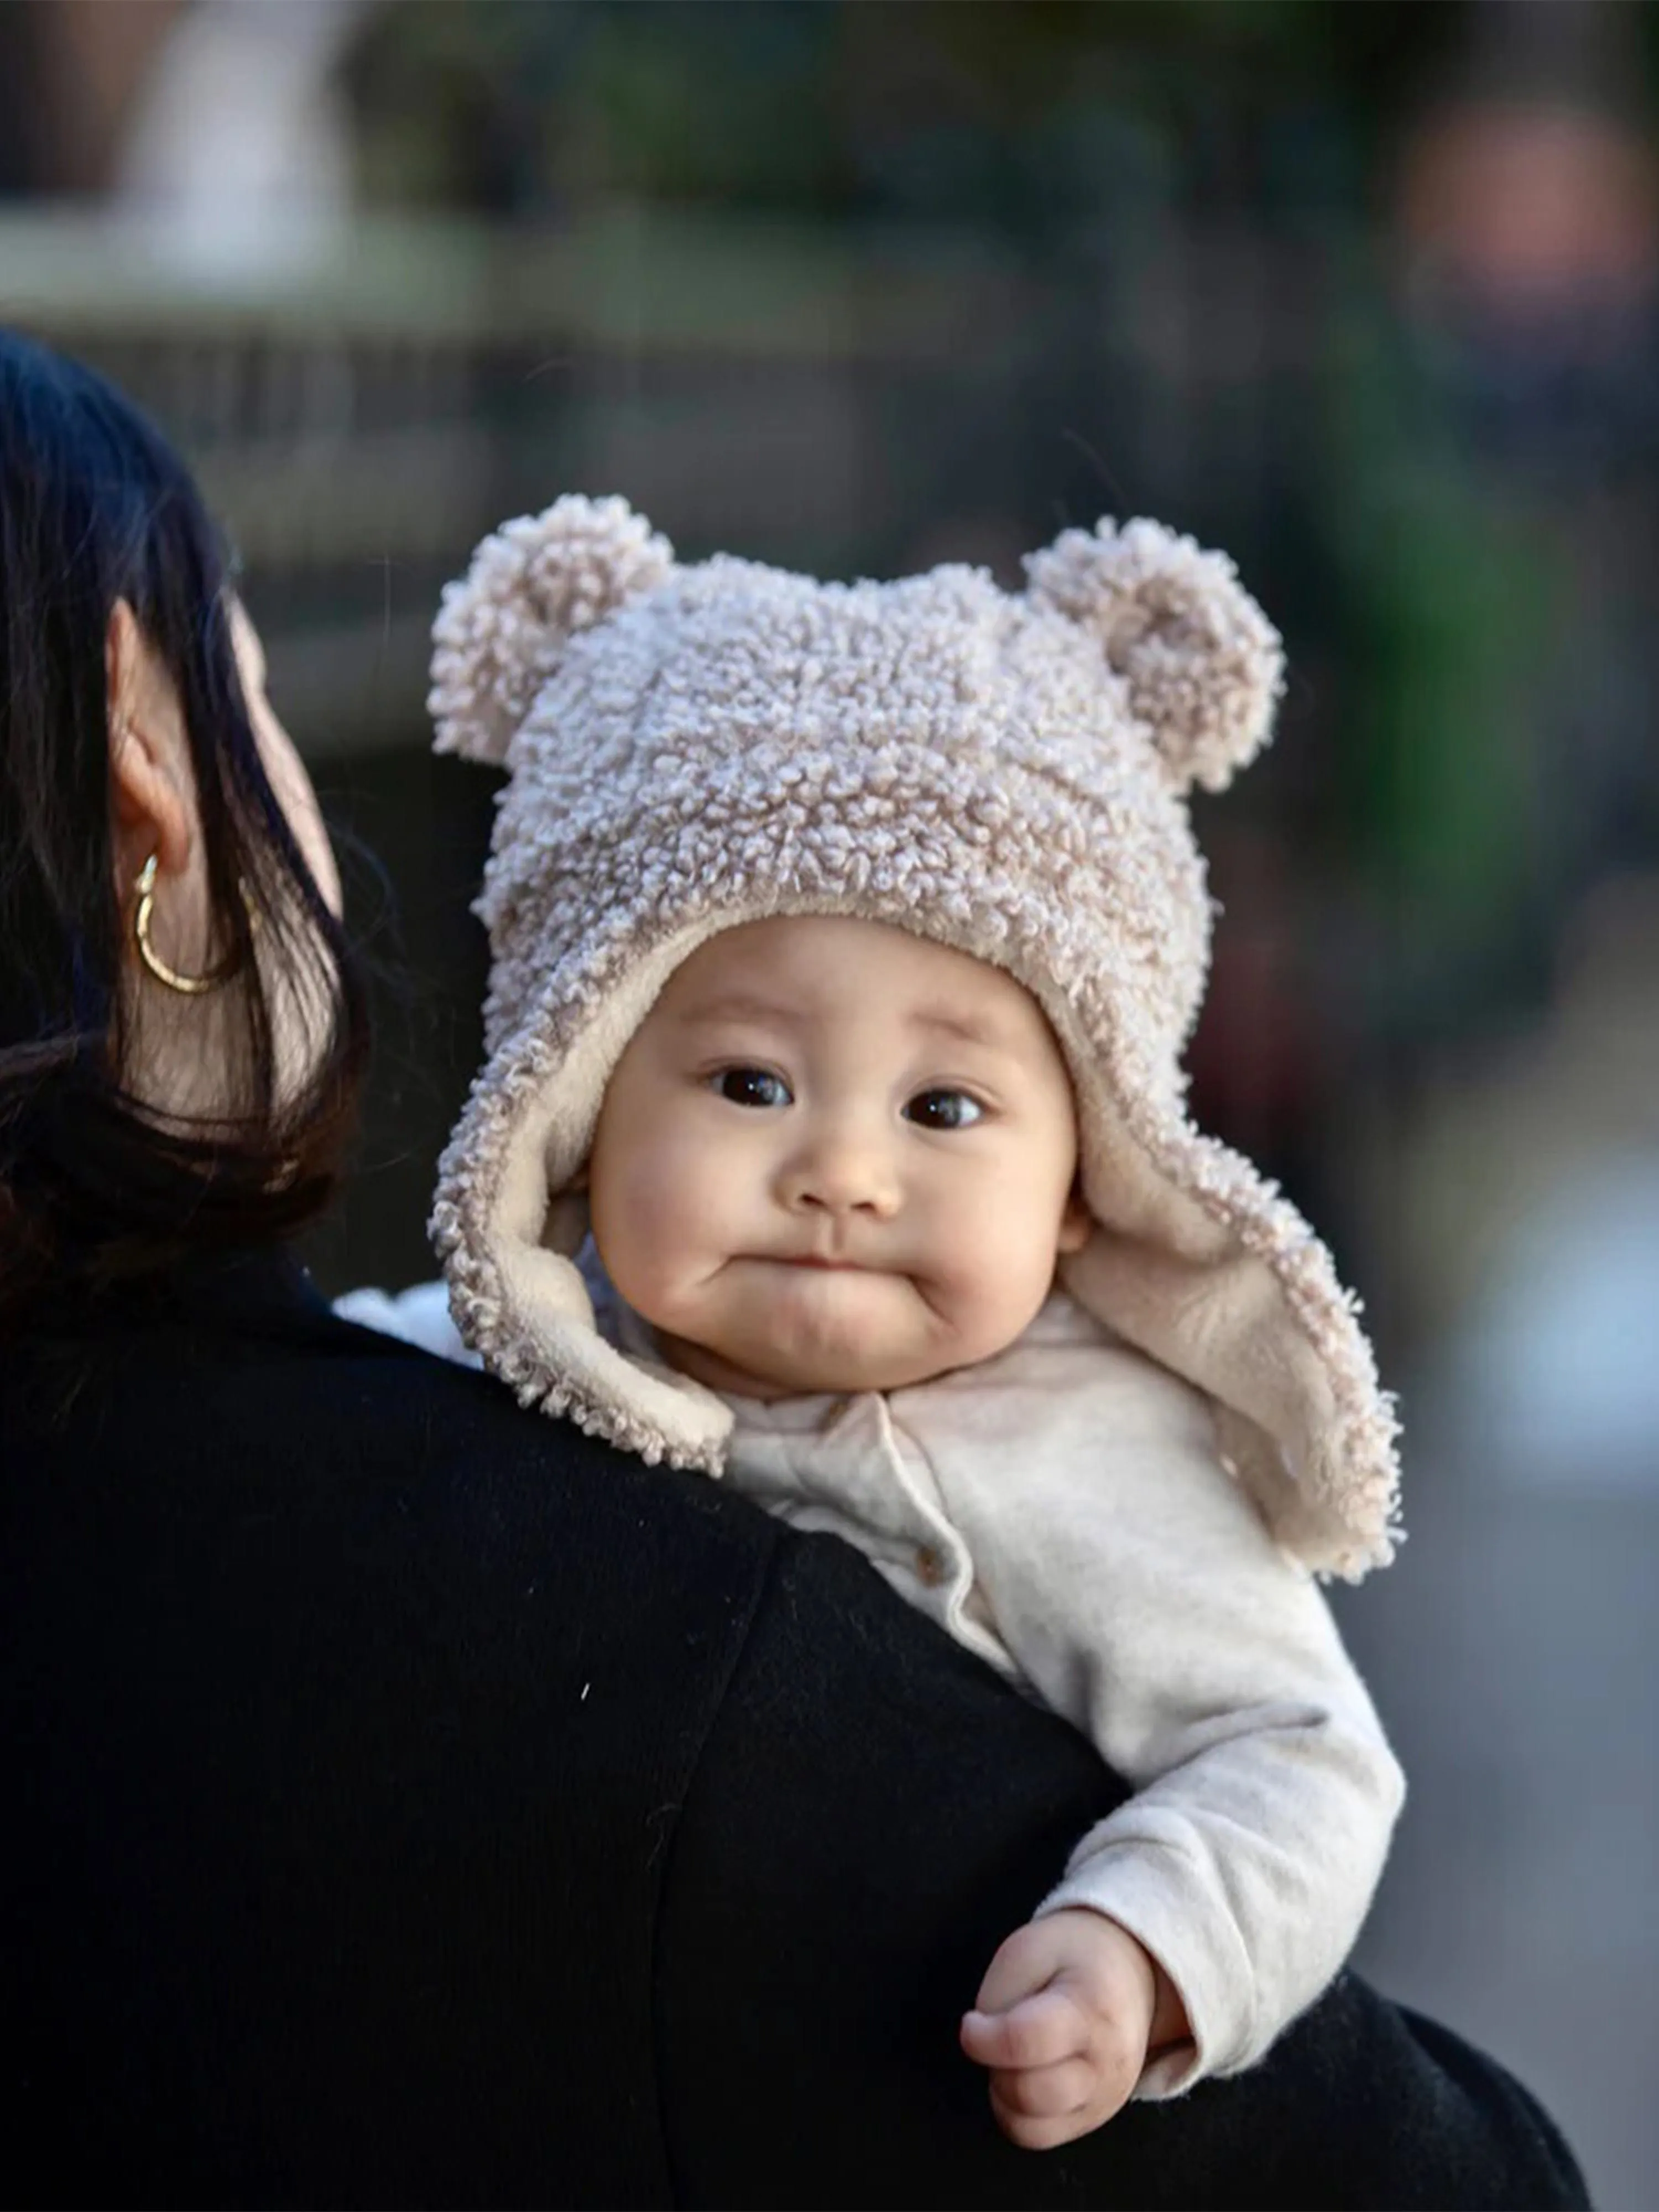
(1025, 1963)
(1037, 2031)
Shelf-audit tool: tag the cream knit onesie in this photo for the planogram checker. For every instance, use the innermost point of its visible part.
(1062, 1510)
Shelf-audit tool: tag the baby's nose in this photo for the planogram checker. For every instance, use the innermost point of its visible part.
(842, 1176)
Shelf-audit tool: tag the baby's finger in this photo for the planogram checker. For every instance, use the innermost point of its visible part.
(1037, 2131)
(1025, 1962)
(1046, 2093)
(1040, 2031)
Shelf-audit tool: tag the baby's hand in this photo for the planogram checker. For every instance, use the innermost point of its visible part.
(1064, 2021)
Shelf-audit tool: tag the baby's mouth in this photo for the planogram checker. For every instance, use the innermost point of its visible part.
(818, 1259)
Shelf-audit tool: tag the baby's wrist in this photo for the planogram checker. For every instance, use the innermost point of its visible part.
(1170, 2025)
(1158, 2000)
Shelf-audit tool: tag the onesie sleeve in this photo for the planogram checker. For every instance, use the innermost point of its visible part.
(419, 1316)
(1142, 1597)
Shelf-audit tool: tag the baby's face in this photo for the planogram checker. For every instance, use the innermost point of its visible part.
(834, 1156)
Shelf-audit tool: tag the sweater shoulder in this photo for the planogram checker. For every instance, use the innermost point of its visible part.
(281, 1406)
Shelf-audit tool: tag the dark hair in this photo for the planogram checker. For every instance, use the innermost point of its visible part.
(94, 1185)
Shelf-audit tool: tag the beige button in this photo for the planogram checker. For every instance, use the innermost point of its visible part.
(930, 1568)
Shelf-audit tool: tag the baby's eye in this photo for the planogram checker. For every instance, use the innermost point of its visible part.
(752, 1086)
(943, 1109)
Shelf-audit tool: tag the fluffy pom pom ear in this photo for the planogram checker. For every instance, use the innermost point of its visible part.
(1202, 663)
(532, 585)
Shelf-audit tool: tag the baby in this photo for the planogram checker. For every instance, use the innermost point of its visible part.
(831, 1140)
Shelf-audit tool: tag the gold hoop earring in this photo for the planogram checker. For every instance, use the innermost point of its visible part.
(189, 986)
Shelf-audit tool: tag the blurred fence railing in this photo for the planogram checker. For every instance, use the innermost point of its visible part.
(362, 410)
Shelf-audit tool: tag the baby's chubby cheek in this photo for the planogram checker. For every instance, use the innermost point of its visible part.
(659, 1224)
(995, 1261)
(986, 1314)
(641, 1242)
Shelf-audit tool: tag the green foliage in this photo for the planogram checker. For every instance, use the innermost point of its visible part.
(836, 106)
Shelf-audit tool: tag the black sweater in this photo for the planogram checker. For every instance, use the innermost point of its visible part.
(413, 1801)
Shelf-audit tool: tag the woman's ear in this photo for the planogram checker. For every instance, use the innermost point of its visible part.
(152, 790)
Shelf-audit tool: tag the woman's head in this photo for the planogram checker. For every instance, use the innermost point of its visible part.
(136, 1118)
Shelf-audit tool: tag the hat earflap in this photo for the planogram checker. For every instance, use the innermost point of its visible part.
(531, 585)
(1202, 664)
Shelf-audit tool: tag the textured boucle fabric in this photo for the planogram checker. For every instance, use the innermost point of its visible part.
(693, 747)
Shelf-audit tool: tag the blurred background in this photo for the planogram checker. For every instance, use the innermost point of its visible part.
(1368, 295)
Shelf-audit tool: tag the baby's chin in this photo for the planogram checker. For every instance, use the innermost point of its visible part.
(772, 1372)
(762, 1372)
(805, 1347)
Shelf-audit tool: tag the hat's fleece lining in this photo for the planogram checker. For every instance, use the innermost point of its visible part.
(1161, 1269)
(693, 746)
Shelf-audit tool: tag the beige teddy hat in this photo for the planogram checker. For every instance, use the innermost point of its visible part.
(692, 747)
